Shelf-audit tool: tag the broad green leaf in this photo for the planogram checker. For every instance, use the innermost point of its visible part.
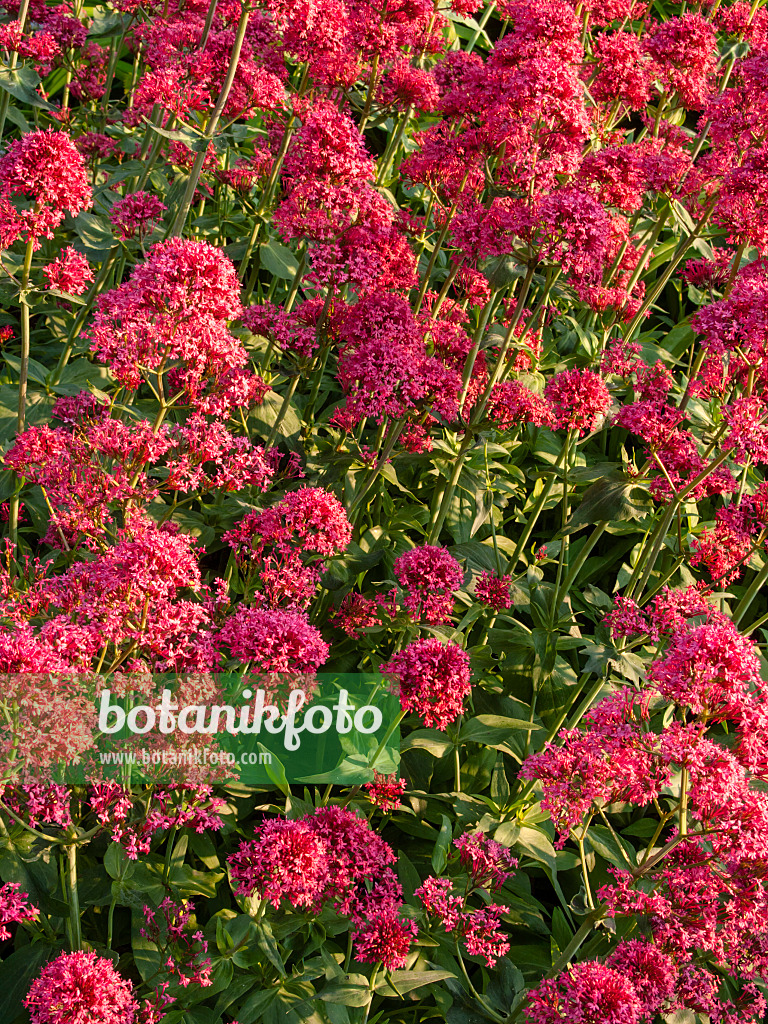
(615, 498)
(349, 990)
(397, 983)
(278, 260)
(442, 845)
(17, 972)
(22, 84)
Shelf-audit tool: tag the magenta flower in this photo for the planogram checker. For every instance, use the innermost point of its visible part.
(429, 575)
(287, 861)
(434, 680)
(45, 168)
(69, 273)
(14, 908)
(580, 400)
(385, 791)
(494, 590)
(273, 640)
(80, 988)
(136, 214)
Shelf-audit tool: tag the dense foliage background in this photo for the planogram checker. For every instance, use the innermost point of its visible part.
(429, 338)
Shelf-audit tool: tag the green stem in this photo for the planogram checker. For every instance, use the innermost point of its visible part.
(537, 509)
(450, 490)
(194, 175)
(433, 258)
(480, 26)
(752, 591)
(488, 1009)
(395, 430)
(13, 508)
(677, 257)
(6, 96)
(282, 411)
(660, 532)
(575, 568)
(387, 737)
(392, 145)
(76, 938)
(77, 326)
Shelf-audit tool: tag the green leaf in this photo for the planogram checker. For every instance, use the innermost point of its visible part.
(265, 414)
(442, 845)
(493, 730)
(21, 83)
(255, 1005)
(278, 260)
(615, 498)
(81, 375)
(397, 983)
(95, 234)
(610, 847)
(273, 766)
(350, 990)
(268, 946)
(192, 139)
(117, 863)
(146, 955)
(435, 743)
(107, 23)
(35, 371)
(17, 972)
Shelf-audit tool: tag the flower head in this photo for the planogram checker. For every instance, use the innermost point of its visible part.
(385, 791)
(14, 908)
(429, 575)
(80, 988)
(489, 863)
(579, 400)
(434, 679)
(494, 590)
(69, 273)
(46, 168)
(136, 214)
(587, 993)
(287, 861)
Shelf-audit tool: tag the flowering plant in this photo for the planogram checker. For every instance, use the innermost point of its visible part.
(425, 338)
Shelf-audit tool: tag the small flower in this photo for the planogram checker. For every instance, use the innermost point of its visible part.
(489, 863)
(136, 214)
(384, 938)
(511, 404)
(274, 640)
(586, 993)
(287, 860)
(580, 400)
(14, 908)
(482, 934)
(438, 897)
(45, 167)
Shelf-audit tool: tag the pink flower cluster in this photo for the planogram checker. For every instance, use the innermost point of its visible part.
(705, 894)
(488, 865)
(44, 168)
(433, 679)
(429, 575)
(326, 858)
